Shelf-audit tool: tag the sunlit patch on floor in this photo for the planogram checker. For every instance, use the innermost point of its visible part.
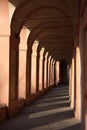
(49, 112)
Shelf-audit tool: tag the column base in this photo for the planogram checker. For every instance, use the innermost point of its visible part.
(15, 107)
(77, 116)
(44, 91)
(29, 99)
(3, 112)
(38, 94)
(32, 97)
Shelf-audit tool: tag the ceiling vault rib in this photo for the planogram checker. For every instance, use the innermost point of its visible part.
(52, 26)
(51, 23)
(59, 37)
(60, 17)
(58, 41)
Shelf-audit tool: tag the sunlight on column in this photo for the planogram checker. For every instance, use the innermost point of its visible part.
(49, 70)
(41, 69)
(70, 77)
(72, 85)
(53, 67)
(33, 66)
(78, 84)
(22, 61)
(45, 71)
(57, 71)
(4, 52)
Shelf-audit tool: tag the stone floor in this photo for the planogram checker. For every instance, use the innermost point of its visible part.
(50, 112)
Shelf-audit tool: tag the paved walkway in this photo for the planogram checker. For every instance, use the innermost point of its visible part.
(50, 112)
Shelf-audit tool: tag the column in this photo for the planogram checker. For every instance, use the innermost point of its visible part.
(45, 71)
(78, 85)
(22, 64)
(49, 63)
(28, 70)
(14, 60)
(47, 82)
(33, 67)
(57, 72)
(53, 73)
(70, 81)
(41, 69)
(72, 85)
(43, 66)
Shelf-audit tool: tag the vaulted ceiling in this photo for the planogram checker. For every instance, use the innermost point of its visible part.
(51, 22)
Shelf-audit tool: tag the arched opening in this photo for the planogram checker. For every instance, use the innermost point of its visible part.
(63, 75)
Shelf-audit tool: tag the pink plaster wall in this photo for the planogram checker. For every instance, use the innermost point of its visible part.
(4, 52)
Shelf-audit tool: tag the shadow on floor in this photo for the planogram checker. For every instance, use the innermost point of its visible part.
(51, 112)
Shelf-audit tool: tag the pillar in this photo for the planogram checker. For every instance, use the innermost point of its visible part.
(28, 71)
(49, 70)
(41, 69)
(47, 82)
(37, 69)
(72, 85)
(22, 63)
(33, 67)
(14, 60)
(70, 81)
(53, 72)
(45, 71)
(57, 72)
(13, 77)
(78, 85)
